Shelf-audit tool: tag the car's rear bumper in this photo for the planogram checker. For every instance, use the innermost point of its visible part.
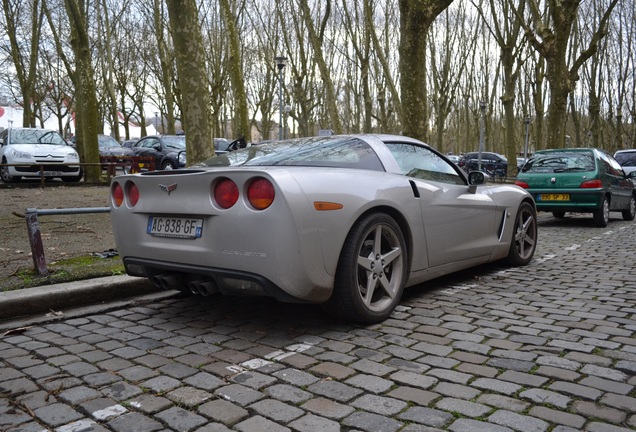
(210, 280)
(580, 200)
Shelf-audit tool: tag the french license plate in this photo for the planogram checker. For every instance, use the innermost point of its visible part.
(52, 173)
(184, 228)
(554, 197)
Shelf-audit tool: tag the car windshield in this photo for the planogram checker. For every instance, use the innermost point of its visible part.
(343, 152)
(36, 136)
(107, 142)
(174, 142)
(560, 161)
(626, 158)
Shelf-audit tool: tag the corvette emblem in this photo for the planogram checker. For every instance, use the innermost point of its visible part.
(168, 188)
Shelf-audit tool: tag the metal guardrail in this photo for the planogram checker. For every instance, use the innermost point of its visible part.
(35, 238)
(130, 164)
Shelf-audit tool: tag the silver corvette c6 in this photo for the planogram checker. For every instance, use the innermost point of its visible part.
(346, 221)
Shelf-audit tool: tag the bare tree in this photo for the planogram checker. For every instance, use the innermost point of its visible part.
(24, 51)
(416, 17)
(236, 70)
(316, 37)
(188, 43)
(549, 34)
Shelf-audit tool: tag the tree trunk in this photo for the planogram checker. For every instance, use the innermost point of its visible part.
(87, 108)
(416, 17)
(188, 46)
(236, 73)
(325, 73)
(165, 61)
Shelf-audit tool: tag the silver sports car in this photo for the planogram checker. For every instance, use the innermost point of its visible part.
(346, 221)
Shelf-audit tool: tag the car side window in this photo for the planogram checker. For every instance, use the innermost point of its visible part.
(612, 169)
(149, 143)
(421, 162)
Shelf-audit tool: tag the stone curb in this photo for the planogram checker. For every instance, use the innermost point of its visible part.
(33, 301)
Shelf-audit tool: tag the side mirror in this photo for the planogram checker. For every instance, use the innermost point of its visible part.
(476, 178)
(1, 142)
(156, 146)
(631, 175)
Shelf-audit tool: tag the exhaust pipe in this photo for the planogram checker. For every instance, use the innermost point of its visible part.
(203, 287)
(167, 281)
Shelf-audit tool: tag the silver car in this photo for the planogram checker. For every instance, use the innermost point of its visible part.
(347, 221)
(626, 159)
(35, 152)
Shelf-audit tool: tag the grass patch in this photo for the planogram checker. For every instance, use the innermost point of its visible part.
(72, 269)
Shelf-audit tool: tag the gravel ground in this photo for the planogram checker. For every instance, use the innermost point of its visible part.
(63, 236)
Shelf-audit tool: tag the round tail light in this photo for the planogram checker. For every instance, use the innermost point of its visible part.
(117, 194)
(260, 193)
(226, 193)
(133, 193)
(522, 184)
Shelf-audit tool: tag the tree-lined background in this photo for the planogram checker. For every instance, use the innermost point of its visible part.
(439, 70)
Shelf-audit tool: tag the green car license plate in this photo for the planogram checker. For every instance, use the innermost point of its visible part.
(184, 228)
(553, 197)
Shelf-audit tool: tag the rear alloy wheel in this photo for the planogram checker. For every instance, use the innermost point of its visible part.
(630, 213)
(524, 237)
(558, 214)
(371, 272)
(601, 216)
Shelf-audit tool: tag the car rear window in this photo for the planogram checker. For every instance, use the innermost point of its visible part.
(342, 152)
(561, 161)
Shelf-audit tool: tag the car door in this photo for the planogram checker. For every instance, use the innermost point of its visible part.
(459, 225)
(621, 185)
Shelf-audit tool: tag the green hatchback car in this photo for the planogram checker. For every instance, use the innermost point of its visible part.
(579, 180)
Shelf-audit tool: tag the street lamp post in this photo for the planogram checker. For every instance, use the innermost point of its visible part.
(482, 107)
(526, 120)
(281, 62)
(156, 123)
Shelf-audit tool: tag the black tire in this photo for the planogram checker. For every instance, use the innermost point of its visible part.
(524, 238)
(601, 216)
(558, 214)
(630, 213)
(168, 165)
(4, 174)
(372, 271)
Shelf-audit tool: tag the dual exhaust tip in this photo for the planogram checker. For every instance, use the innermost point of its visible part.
(203, 287)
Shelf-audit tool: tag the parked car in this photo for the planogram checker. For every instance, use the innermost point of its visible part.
(453, 158)
(128, 143)
(221, 145)
(37, 148)
(347, 221)
(493, 164)
(168, 151)
(582, 180)
(627, 159)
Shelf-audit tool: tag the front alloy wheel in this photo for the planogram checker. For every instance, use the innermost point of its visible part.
(371, 272)
(524, 239)
(5, 176)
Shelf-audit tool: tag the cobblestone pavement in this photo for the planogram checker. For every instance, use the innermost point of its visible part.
(548, 347)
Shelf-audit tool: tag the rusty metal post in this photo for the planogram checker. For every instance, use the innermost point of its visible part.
(35, 239)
